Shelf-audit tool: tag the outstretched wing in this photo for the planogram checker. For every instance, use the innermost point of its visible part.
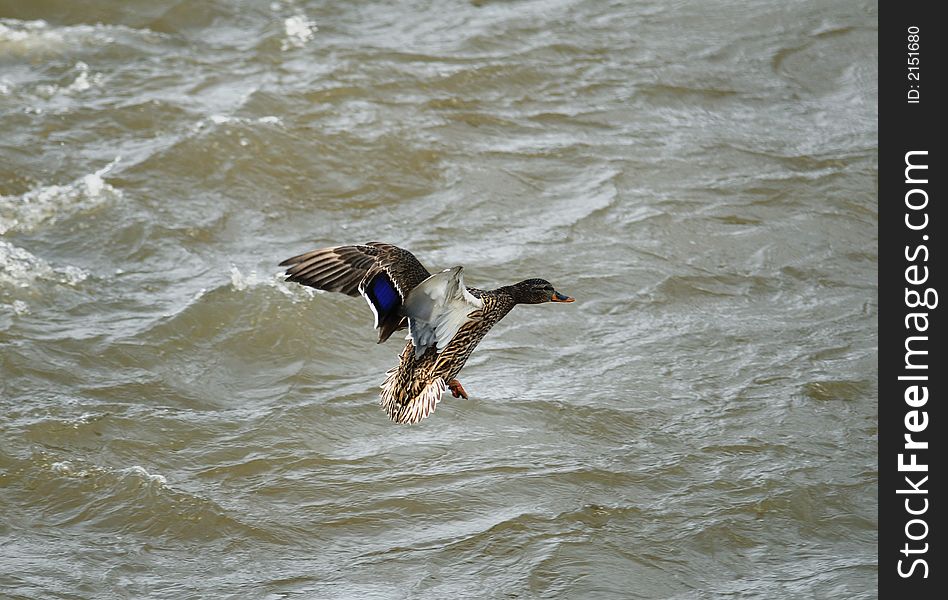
(336, 269)
(383, 274)
(437, 308)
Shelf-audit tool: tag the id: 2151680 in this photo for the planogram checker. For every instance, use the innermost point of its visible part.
(914, 94)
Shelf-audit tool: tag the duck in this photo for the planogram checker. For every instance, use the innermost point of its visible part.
(445, 319)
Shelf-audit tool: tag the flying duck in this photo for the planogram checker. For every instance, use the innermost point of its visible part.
(445, 319)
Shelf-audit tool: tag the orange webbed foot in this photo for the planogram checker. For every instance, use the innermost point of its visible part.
(456, 389)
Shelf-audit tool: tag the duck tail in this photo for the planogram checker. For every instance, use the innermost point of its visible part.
(402, 405)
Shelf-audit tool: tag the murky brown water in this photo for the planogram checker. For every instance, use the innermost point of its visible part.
(179, 423)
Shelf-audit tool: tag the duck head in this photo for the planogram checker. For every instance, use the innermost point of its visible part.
(536, 291)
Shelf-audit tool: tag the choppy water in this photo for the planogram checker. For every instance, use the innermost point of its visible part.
(179, 423)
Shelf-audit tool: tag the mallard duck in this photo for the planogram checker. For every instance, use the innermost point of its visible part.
(445, 319)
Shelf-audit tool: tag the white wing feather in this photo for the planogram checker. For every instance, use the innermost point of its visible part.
(437, 308)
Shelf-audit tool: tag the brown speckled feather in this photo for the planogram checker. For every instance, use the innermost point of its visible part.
(348, 269)
(342, 268)
(413, 388)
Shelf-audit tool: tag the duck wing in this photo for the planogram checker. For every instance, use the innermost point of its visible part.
(437, 308)
(381, 273)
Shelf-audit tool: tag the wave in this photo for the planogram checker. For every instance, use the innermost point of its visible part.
(19, 269)
(122, 500)
(40, 38)
(51, 202)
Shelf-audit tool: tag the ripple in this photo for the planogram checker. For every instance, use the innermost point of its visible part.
(836, 390)
(121, 501)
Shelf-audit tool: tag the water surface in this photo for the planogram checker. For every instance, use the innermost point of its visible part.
(180, 423)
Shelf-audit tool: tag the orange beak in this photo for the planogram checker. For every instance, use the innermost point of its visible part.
(558, 297)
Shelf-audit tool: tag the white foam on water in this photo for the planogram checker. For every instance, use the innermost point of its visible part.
(20, 308)
(241, 282)
(218, 119)
(140, 472)
(299, 30)
(49, 203)
(84, 80)
(32, 37)
(22, 38)
(69, 469)
(61, 466)
(19, 268)
(64, 467)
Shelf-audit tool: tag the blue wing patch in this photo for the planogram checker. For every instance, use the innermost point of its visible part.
(386, 296)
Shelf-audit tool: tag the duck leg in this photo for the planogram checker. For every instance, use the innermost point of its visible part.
(456, 389)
